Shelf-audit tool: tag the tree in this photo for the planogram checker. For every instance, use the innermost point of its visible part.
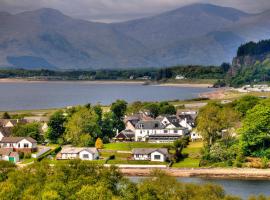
(108, 127)
(6, 116)
(245, 103)
(56, 126)
(27, 130)
(99, 144)
(166, 109)
(255, 132)
(119, 108)
(98, 111)
(153, 109)
(82, 128)
(179, 145)
(212, 119)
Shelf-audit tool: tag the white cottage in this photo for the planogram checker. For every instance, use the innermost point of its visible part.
(24, 144)
(83, 153)
(152, 154)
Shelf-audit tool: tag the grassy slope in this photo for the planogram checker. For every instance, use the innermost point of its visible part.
(128, 146)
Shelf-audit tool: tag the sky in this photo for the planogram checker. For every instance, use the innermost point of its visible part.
(122, 10)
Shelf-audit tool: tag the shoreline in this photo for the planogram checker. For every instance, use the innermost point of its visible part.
(210, 173)
(183, 85)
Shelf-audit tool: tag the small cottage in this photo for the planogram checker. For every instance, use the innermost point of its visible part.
(83, 153)
(151, 154)
(19, 144)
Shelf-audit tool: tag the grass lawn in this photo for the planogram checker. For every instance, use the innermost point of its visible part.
(128, 146)
(193, 158)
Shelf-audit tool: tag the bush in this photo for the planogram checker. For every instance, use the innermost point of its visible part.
(27, 155)
(21, 155)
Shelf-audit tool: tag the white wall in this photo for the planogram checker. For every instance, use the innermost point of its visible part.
(140, 134)
(141, 157)
(69, 155)
(1, 136)
(156, 153)
(82, 153)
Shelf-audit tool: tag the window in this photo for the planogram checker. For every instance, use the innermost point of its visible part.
(85, 156)
(25, 145)
(165, 131)
(156, 157)
(175, 131)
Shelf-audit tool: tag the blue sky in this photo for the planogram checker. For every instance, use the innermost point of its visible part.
(122, 10)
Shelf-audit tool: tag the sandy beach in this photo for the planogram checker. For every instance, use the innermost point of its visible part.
(23, 80)
(221, 173)
(203, 85)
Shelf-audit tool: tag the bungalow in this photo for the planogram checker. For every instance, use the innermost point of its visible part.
(83, 153)
(152, 154)
(19, 144)
(125, 135)
(155, 131)
(5, 132)
(7, 154)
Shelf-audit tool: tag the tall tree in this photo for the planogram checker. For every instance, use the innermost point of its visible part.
(56, 126)
(6, 115)
(82, 128)
(255, 132)
(212, 119)
(27, 130)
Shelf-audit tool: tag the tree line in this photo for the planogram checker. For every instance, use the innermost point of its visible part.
(82, 180)
(236, 133)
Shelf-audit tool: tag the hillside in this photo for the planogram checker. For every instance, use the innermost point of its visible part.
(196, 34)
(252, 63)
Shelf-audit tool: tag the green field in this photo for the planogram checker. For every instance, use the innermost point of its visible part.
(128, 146)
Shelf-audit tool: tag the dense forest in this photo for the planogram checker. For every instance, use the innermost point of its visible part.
(253, 48)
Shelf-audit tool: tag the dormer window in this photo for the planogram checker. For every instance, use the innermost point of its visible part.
(141, 125)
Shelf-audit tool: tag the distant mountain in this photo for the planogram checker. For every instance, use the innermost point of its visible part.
(195, 34)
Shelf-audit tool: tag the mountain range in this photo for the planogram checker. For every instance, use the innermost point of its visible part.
(201, 34)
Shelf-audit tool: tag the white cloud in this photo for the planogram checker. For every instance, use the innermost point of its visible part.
(119, 10)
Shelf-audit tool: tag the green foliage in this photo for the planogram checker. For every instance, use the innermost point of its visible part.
(119, 108)
(245, 103)
(82, 128)
(5, 168)
(56, 126)
(255, 139)
(212, 119)
(27, 130)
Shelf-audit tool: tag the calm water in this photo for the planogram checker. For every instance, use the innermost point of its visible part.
(38, 95)
(242, 188)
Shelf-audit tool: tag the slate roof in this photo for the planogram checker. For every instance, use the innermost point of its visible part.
(147, 151)
(6, 131)
(16, 139)
(150, 124)
(76, 150)
(127, 133)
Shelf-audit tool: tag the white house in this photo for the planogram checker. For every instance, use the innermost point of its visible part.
(7, 154)
(156, 132)
(83, 153)
(152, 154)
(24, 144)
